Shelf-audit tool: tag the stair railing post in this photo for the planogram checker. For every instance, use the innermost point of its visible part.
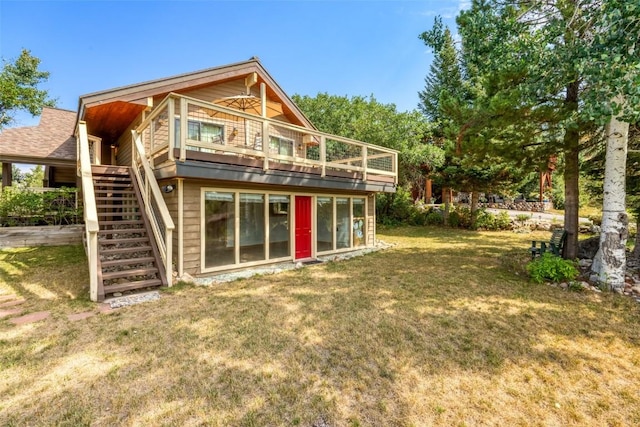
(96, 291)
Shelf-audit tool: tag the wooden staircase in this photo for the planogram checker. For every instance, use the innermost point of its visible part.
(128, 256)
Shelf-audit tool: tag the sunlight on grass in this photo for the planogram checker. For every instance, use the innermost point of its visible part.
(39, 291)
(436, 330)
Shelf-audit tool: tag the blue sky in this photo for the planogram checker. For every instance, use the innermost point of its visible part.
(339, 47)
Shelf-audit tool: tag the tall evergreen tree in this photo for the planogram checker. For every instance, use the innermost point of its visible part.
(451, 100)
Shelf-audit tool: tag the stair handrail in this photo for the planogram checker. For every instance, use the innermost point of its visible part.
(151, 192)
(90, 212)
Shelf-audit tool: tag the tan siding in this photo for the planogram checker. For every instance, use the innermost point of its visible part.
(171, 200)
(371, 220)
(211, 93)
(123, 158)
(192, 219)
(64, 175)
(192, 228)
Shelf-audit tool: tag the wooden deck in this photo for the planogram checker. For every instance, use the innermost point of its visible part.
(216, 134)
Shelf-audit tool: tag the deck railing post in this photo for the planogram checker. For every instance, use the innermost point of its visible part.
(90, 213)
(265, 143)
(171, 107)
(364, 162)
(323, 154)
(184, 124)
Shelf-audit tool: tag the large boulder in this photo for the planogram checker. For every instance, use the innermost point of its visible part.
(587, 248)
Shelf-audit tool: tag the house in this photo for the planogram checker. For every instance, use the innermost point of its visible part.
(216, 170)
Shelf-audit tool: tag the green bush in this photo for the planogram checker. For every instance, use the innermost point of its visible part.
(503, 221)
(434, 218)
(25, 207)
(550, 268)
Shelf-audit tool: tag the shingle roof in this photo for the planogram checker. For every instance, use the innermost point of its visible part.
(52, 138)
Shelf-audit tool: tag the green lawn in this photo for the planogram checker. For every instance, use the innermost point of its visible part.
(437, 330)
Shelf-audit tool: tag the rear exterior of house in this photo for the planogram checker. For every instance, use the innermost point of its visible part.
(213, 171)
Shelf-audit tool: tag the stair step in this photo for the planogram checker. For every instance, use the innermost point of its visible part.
(118, 197)
(104, 214)
(109, 169)
(125, 250)
(122, 241)
(105, 180)
(123, 222)
(139, 230)
(112, 191)
(121, 287)
(129, 273)
(111, 184)
(128, 261)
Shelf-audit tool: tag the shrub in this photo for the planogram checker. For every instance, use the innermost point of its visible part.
(20, 207)
(503, 221)
(552, 268)
(434, 218)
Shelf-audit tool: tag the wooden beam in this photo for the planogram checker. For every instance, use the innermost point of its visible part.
(7, 175)
(250, 80)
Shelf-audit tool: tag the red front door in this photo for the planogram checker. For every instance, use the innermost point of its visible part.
(303, 227)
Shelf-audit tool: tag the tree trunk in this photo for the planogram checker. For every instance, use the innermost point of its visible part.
(446, 193)
(475, 198)
(571, 176)
(609, 264)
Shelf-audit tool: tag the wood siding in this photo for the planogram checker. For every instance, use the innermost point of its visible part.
(371, 220)
(192, 218)
(192, 227)
(123, 158)
(171, 200)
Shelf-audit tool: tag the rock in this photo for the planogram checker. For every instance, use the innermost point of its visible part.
(585, 263)
(635, 289)
(585, 285)
(186, 277)
(117, 294)
(564, 285)
(587, 248)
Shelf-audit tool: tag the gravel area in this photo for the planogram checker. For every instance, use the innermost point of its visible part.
(285, 266)
(126, 300)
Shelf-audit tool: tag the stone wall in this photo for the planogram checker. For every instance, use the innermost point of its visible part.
(520, 206)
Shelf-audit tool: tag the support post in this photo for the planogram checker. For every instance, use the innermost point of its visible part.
(180, 227)
(7, 175)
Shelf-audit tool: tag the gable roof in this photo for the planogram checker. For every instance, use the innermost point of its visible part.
(52, 139)
(136, 95)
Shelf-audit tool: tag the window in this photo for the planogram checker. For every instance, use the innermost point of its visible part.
(343, 223)
(324, 224)
(200, 131)
(281, 146)
(279, 226)
(219, 225)
(205, 132)
(358, 222)
(251, 227)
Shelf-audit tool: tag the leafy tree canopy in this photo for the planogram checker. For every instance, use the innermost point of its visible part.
(19, 83)
(365, 119)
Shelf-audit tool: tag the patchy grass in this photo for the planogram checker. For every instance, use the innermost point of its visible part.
(437, 330)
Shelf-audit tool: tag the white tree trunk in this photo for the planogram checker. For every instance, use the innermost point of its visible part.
(610, 262)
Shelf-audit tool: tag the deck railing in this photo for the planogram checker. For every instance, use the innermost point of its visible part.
(96, 290)
(213, 128)
(154, 205)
